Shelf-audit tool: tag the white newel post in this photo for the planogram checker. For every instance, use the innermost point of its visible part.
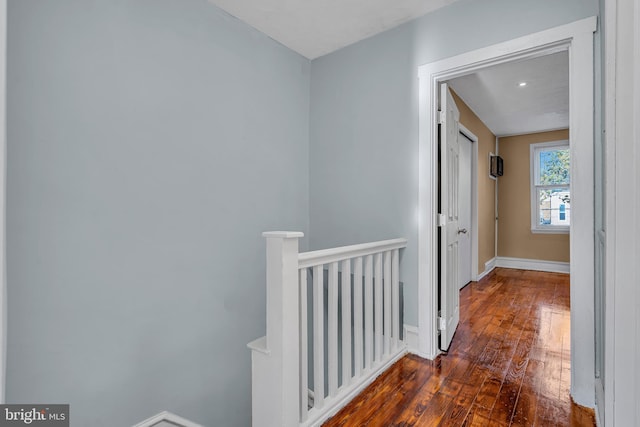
(275, 358)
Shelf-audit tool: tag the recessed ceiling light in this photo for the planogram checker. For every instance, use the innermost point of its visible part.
(522, 84)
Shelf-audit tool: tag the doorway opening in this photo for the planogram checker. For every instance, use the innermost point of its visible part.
(577, 39)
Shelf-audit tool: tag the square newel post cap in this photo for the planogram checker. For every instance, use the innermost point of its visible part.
(282, 234)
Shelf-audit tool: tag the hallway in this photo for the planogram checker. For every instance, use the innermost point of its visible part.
(508, 364)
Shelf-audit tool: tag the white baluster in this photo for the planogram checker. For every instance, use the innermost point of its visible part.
(387, 301)
(368, 311)
(333, 328)
(304, 359)
(346, 322)
(378, 306)
(318, 337)
(357, 317)
(395, 290)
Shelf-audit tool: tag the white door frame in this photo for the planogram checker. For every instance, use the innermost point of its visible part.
(577, 39)
(622, 175)
(3, 206)
(473, 234)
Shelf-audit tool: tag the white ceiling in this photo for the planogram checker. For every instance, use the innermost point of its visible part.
(508, 109)
(315, 28)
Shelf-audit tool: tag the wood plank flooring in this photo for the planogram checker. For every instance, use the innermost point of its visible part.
(508, 364)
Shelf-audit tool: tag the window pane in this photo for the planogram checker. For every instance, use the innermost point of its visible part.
(554, 167)
(554, 206)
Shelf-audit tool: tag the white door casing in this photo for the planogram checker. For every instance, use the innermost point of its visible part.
(464, 217)
(3, 168)
(577, 38)
(621, 392)
(449, 211)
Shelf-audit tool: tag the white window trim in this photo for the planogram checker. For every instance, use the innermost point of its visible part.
(536, 227)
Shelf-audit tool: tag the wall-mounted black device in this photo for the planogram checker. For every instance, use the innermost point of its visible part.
(496, 168)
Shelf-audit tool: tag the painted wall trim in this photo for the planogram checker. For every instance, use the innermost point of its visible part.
(168, 417)
(532, 264)
(576, 37)
(3, 204)
(488, 268)
(582, 234)
(622, 201)
(411, 338)
(607, 406)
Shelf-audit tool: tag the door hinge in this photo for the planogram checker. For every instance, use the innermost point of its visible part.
(442, 220)
(441, 117)
(442, 323)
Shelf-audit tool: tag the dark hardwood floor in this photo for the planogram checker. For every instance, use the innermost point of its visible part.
(508, 364)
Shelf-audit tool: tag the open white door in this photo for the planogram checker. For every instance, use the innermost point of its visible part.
(448, 218)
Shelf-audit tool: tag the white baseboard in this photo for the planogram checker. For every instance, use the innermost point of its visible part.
(411, 338)
(533, 264)
(488, 268)
(166, 418)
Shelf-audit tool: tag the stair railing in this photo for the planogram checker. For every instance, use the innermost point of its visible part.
(333, 325)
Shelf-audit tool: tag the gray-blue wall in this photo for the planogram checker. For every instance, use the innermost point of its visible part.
(150, 142)
(364, 119)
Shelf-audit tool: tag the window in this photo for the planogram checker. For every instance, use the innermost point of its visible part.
(550, 187)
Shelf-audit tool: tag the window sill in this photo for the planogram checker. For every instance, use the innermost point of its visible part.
(551, 230)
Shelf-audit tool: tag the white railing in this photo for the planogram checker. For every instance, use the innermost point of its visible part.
(342, 303)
